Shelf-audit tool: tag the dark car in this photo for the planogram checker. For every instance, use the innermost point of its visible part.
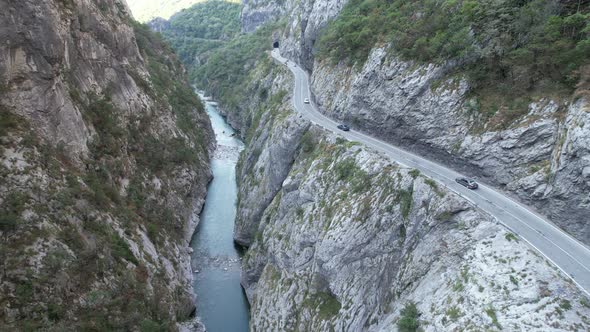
(467, 183)
(343, 127)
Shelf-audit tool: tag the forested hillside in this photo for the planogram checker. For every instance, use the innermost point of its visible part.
(218, 57)
(196, 31)
(509, 47)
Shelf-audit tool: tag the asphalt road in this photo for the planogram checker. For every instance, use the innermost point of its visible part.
(569, 255)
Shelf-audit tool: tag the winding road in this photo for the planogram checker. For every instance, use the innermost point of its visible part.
(569, 255)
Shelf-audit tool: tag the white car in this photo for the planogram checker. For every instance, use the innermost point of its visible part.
(306, 100)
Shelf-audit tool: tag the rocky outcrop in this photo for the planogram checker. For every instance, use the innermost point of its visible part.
(258, 12)
(104, 163)
(427, 109)
(272, 157)
(419, 108)
(350, 239)
(266, 164)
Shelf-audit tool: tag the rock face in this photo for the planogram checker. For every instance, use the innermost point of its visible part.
(340, 238)
(258, 12)
(104, 162)
(537, 157)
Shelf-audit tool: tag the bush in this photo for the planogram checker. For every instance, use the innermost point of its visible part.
(120, 249)
(308, 143)
(10, 211)
(346, 169)
(405, 198)
(8, 121)
(103, 116)
(408, 321)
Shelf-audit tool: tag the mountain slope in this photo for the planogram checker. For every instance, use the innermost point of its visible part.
(488, 108)
(104, 160)
(340, 238)
(195, 33)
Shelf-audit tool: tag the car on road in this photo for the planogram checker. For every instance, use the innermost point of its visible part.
(465, 182)
(306, 100)
(343, 127)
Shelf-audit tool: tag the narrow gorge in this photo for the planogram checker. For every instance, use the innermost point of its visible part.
(130, 203)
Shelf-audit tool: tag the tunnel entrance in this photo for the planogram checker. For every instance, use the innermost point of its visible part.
(275, 44)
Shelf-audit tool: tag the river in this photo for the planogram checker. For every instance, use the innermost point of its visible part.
(221, 302)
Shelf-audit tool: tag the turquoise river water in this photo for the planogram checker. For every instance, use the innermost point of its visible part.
(221, 302)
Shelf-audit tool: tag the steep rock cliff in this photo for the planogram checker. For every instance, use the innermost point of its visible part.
(343, 239)
(104, 162)
(538, 156)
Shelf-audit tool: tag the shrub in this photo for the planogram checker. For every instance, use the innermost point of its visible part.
(345, 169)
(408, 321)
(120, 249)
(444, 216)
(405, 198)
(329, 306)
(10, 211)
(308, 142)
(103, 116)
(8, 121)
(511, 237)
(152, 232)
(299, 212)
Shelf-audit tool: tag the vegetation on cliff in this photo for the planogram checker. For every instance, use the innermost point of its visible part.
(226, 72)
(196, 31)
(218, 57)
(512, 47)
(90, 241)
